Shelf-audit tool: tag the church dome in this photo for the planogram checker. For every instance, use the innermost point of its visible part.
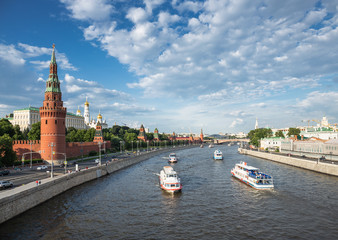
(86, 103)
(99, 116)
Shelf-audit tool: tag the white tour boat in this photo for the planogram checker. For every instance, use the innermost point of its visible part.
(172, 158)
(169, 180)
(252, 176)
(218, 155)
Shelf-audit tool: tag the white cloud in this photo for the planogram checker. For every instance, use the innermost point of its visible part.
(96, 10)
(151, 4)
(225, 51)
(11, 54)
(236, 122)
(137, 15)
(23, 51)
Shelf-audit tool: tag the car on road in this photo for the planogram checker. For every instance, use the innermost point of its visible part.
(41, 167)
(6, 184)
(62, 165)
(4, 172)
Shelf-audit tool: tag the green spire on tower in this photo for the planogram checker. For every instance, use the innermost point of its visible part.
(53, 55)
(53, 84)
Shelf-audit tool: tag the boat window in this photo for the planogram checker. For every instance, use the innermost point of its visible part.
(173, 185)
(177, 185)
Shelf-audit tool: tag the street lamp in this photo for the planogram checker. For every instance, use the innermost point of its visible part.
(132, 146)
(52, 145)
(30, 142)
(100, 151)
(105, 154)
(147, 145)
(137, 142)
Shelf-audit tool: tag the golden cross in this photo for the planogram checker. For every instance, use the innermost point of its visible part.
(53, 45)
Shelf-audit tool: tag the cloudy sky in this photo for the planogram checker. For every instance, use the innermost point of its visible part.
(176, 65)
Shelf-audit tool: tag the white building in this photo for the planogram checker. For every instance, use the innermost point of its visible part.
(272, 143)
(26, 117)
(92, 123)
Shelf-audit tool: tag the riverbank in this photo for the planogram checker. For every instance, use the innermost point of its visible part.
(316, 166)
(18, 200)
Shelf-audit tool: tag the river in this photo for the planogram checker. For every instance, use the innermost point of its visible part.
(129, 204)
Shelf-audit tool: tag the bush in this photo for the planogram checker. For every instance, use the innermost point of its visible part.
(92, 153)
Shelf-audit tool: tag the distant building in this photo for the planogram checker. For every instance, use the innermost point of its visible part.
(156, 136)
(142, 135)
(272, 143)
(92, 123)
(26, 117)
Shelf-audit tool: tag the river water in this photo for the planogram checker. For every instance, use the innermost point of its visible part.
(129, 204)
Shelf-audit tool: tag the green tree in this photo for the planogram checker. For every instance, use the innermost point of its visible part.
(18, 134)
(257, 134)
(89, 135)
(6, 127)
(115, 130)
(121, 133)
(115, 142)
(279, 134)
(25, 133)
(72, 136)
(7, 155)
(128, 137)
(293, 132)
(34, 133)
(150, 136)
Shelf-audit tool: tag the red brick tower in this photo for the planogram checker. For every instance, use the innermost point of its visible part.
(98, 133)
(142, 135)
(53, 115)
(201, 136)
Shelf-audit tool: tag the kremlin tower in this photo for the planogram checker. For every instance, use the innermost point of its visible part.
(86, 113)
(156, 136)
(142, 135)
(52, 115)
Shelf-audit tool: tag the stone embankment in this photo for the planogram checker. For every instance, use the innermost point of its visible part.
(317, 166)
(20, 199)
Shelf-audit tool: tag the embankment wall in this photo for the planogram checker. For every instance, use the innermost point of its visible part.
(326, 168)
(18, 200)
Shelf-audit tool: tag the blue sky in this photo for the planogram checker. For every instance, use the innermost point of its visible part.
(176, 65)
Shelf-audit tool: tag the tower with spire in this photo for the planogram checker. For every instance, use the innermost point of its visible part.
(256, 125)
(156, 136)
(201, 136)
(78, 112)
(86, 113)
(142, 135)
(53, 115)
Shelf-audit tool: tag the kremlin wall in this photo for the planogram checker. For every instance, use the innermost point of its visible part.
(53, 146)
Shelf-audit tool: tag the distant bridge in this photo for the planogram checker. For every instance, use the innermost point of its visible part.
(220, 141)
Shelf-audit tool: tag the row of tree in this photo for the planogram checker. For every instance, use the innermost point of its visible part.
(119, 136)
(257, 134)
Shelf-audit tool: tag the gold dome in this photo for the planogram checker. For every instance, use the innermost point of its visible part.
(99, 116)
(86, 103)
(78, 111)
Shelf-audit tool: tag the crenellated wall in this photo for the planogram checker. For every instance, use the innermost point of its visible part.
(76, 149)
(73, 149)
(24, 146)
